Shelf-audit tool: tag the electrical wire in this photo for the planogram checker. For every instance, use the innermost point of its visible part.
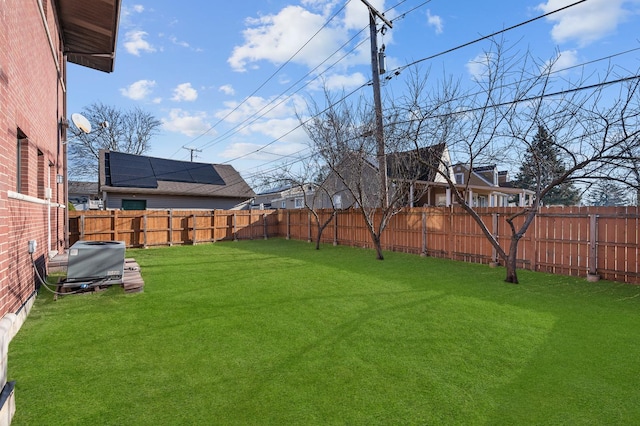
(44, 284)
(274, 73)
(398, 70)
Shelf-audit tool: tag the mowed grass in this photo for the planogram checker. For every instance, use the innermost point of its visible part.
(275, 332)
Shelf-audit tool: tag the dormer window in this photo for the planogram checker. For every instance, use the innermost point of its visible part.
(459, 178)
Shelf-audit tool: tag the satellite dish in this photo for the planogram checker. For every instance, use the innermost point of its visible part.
(81, 122)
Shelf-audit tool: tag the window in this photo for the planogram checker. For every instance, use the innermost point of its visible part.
(337, 201)
(298, 203)
(283, 205)
(22, 170)
(459, 178)
(41, 174)
(134, 204)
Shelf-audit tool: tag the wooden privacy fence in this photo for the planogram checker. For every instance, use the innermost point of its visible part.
(146, 228)
(569, 241)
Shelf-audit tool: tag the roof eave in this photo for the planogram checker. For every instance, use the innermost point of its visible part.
(90, 32)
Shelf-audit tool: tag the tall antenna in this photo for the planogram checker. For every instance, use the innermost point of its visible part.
(192, 150)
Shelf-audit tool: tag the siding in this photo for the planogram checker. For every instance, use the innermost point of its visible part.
(114, 201)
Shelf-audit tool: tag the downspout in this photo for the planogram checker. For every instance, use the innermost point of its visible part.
(43, 16)
(62, 83)
(48, 194)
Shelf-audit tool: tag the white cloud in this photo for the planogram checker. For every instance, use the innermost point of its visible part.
(135, 43)
(227, 89)
(585, 22)
(564, 60)
(253, 151)
(190, 124)
(138, 90)
(435, 21)
(184, 92)
(261, 108)
(126, 12)
(478, 66)
(357, 14)
(339, 82)
(276, 38)
(177, 42)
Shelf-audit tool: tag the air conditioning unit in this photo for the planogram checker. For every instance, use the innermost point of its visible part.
(96, 262)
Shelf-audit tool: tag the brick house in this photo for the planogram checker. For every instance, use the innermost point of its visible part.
(37, 38)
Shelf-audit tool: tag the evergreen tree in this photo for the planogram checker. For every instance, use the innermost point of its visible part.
(541, 166)
(608, 194)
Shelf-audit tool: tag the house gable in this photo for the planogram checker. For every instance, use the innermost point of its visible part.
(170, 183)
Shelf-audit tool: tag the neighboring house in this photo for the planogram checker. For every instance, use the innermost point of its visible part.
(37, 39)
(294, 197)
(424, 181)
(264, 200)
(136, 182)
(404, 169)
(84, 196)
(285, 197)
(486, 186)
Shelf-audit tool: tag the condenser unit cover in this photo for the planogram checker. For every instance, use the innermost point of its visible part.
(96, 260)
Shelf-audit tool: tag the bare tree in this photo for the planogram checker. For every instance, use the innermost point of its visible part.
(307, 179)
(514, 95)
(343, 136)
(112, 129)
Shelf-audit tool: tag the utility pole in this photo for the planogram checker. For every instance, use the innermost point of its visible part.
(375, 72)
(192, 151)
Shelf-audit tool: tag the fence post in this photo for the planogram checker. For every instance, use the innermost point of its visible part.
(194, 229)
(288, 225)
(450, 240)
(114, 226)
(213, 225)
(81, 233)
(235, 227)
(264, 225)
(144, 230)
(593, 247)
(250, 224)
(533, 228)
(424, 233)
(170, 228)
(335, 228)
(494, 252)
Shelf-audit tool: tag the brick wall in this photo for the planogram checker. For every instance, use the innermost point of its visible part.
(31, 154)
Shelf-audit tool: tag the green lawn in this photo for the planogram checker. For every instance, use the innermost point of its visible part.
(274, 332)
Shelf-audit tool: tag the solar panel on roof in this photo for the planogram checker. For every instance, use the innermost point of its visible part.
(129, 170)
(205, 173)
(169, 170)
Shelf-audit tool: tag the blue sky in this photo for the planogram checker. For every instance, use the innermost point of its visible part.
(228, 80)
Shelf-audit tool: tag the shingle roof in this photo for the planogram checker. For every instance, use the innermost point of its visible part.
(421, 164)
(175, 181)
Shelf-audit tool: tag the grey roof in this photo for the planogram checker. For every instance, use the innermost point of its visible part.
(421, 164)
(233, 185)
(86, 188)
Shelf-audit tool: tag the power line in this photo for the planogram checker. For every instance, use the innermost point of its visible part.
(274, 73)
(469, 43)
(409, 65)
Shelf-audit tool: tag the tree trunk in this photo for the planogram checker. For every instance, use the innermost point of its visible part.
(378, 246)
(512, 274)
